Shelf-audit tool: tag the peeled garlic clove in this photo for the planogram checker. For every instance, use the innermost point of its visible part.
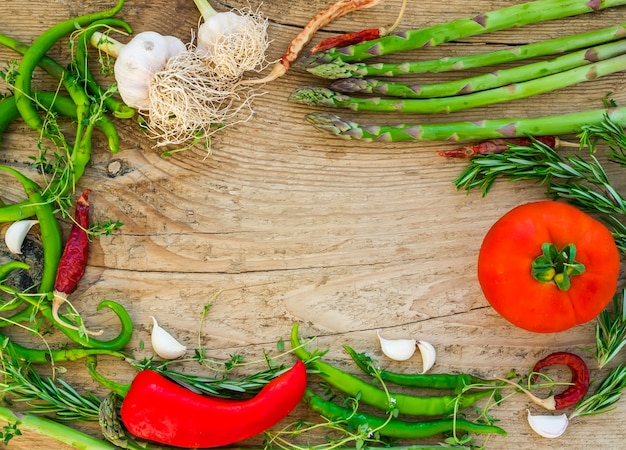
(397, 349)
(429, 355)
(548, 426)
(16, 233)
(164, 344)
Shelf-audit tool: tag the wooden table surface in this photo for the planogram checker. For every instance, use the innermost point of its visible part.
(342, 237)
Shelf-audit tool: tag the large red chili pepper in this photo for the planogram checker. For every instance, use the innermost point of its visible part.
(160, 410)
(580, 378)
(73, 260)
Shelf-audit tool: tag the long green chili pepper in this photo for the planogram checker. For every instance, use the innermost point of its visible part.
(379, 398)
(52, 243)
(511, 16)
(395, 428)
(48, 225)
(37, 50)
(9, 267)
(55, 70)
(44, 356)
(340, 69)
(319, 96)
(458, 131)
(484, 81)
(457, 382)
(117, 107)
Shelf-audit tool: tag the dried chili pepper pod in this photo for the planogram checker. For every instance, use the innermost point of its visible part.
(73, 260)
(580, 378)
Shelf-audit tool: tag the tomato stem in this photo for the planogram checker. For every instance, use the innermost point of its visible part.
(557, 266)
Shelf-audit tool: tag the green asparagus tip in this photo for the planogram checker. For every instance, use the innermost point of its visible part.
(316, 96)
(335, 125)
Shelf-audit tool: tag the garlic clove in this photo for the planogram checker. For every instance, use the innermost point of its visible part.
(397, 349)
(429, 355)
(16, 233)
(164, 344)
(548, 426)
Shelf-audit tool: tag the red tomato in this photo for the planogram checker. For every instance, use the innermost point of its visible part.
(546, 303)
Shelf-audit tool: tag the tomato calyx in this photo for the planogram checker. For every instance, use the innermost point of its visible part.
(557, 266)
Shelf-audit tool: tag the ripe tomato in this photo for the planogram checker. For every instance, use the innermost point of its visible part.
(547, 266)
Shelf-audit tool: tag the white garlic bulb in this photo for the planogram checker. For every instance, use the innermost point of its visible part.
(548, 426)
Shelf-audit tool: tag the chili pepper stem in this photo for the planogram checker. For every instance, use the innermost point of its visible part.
(57, 301)
(548, 403)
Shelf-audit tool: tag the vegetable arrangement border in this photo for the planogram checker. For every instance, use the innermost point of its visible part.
(237, 408)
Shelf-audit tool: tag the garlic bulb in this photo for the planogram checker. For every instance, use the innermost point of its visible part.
(16, 233)
(164, 344)
(138, 62)
(548, 426)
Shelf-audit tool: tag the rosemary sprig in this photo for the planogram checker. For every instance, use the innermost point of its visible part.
(44, 395)
(611, 331)
(606, 395)
(580, 180)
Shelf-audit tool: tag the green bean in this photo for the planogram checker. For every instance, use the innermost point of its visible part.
(380, 398)
(119, 108)
(511, 16)
(37, 50)
(55, 70)
(456, 382)
(394, 428)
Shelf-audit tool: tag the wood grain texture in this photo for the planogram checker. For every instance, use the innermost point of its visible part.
(293, 226)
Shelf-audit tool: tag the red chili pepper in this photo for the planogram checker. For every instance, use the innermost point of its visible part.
(73, 260)
(497, 146)
(160, 410)
(580, 377)
(346, 39)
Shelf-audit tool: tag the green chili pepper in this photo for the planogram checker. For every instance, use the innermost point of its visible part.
(119, 108)
(55, 70)
(395, 428)
(457, 382)
(41, 356)
(379, 398)
(52, 244)
(9, 267)
(37, 50)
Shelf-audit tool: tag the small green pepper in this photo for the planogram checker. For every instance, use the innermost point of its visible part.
(379, 398)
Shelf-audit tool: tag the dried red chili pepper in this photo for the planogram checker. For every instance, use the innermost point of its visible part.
(492, 146)
(346, 39)
(73, 260)
(580, 378)
(162, 411)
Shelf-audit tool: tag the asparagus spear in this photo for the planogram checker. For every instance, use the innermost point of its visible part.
(341, 69)
(512, 16)
(460, 131)
(481, 82)
(318, 96)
